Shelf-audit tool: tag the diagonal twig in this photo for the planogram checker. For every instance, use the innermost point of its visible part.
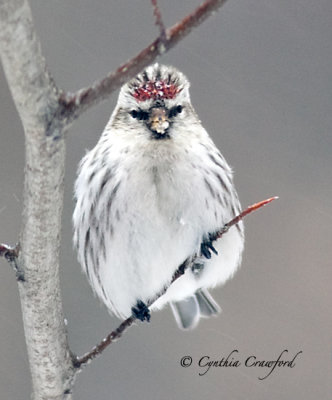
(74, 104)
(159, 20)
(117, 333)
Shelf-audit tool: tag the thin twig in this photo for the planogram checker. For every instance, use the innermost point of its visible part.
(239, 217)
(10, 254)
(117, 333)
(74, 104)
(97, 350)
(159, 20)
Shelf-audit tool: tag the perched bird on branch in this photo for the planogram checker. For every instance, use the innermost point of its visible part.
(148, 196)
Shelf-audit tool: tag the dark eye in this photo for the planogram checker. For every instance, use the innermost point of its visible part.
(179, 109)
(134, 113)
(139, 114)
(175, 111)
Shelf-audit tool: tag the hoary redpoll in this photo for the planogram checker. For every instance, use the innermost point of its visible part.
(148, 196)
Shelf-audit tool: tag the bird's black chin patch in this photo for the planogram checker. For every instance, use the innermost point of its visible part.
(159, 136)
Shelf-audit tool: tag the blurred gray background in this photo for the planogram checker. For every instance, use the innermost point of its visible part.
(260, 73)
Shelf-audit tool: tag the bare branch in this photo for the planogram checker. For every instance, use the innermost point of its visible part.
(37, 264)
(159, 20)
(79, 362)
(33, 90)
(8, 252)
(239, 217)
(11, 255)
(72, 105)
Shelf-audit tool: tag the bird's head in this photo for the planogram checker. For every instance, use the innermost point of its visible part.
(154, 102)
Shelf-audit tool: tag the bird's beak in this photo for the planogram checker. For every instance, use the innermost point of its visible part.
(158, 120)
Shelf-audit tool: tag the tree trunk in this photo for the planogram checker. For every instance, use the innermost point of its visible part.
(36, 99)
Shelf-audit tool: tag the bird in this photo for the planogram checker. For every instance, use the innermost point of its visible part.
(148, 196)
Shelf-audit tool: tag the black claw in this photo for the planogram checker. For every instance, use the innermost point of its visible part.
(207, 247)
(141, 311)
(205, 251)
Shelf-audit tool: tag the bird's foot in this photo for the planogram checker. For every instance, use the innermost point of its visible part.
(141, 311)
(207, 246)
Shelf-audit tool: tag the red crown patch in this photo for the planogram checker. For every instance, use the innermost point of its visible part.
(156, 90)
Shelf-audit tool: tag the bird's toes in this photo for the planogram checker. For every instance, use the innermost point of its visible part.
(141, 311)
(207, 247)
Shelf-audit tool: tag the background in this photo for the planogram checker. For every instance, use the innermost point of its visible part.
(260, 73)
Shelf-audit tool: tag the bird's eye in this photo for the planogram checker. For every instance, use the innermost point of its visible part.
(175, 111)
(139, 114)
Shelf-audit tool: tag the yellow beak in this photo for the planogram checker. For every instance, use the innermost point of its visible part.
(158, 120)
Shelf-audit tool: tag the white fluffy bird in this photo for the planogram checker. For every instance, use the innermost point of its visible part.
(148, 196)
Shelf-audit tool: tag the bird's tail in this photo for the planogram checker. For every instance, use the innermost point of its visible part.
(187, 312)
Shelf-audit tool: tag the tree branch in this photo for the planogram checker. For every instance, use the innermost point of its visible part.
(37, 264)
(11, 255)
(8, 252)
(115, 335)
(73, 105)
(159, 21)
(33, 90)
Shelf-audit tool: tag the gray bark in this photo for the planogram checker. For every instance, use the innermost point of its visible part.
(36, 99)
